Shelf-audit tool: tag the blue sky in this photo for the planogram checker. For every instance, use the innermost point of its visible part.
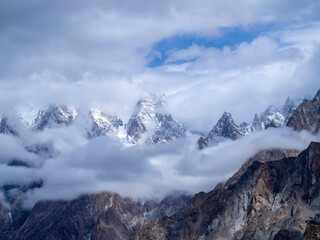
(228, 36)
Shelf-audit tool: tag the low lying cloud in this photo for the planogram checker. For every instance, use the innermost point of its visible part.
(144, 171)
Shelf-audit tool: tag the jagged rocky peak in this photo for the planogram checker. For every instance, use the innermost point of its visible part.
(7, 128)
(150, 124)
(307, 115)
(262, 202)
(167, 129)
(225, 128)
(54, 116)
(103, 124)
(144, 115)
(272, 118)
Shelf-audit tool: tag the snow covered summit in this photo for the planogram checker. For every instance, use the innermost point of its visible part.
(54, 115)
(149, 124)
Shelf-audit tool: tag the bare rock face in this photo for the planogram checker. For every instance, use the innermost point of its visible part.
(270, 198)
(168, 206)
(98, 216)
(307, 115)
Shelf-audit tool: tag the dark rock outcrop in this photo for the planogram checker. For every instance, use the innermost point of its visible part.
(307, 115)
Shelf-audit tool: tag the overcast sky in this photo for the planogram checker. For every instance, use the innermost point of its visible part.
(206, 56)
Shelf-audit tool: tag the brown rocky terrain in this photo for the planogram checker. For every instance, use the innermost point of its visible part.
(275, 199)
(96, 216)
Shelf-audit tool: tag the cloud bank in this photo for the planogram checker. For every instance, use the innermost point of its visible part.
(140, 171)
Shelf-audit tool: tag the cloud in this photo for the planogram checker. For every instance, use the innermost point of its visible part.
(96, 54)
(89, 54)
(143, 171)
(115, 36)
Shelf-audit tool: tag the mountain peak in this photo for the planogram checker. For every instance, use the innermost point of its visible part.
(307, 115)
(150, 102)
(103, 124)
(225, 128)
(226, 116)
(149, 122)
(54, 115)
(272, 118)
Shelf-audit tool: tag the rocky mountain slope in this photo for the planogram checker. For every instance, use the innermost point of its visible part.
(91, 216)
(307, 115)
(98, 216)
(261, 202)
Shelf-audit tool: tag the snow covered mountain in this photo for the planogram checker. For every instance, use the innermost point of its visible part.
(53, 116)
(225, 128)
(274, 117)
(167, 129)
(271, 118)
(103, 124)
(149, 124)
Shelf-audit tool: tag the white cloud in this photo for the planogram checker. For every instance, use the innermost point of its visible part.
(87, 54)
(153, 171)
